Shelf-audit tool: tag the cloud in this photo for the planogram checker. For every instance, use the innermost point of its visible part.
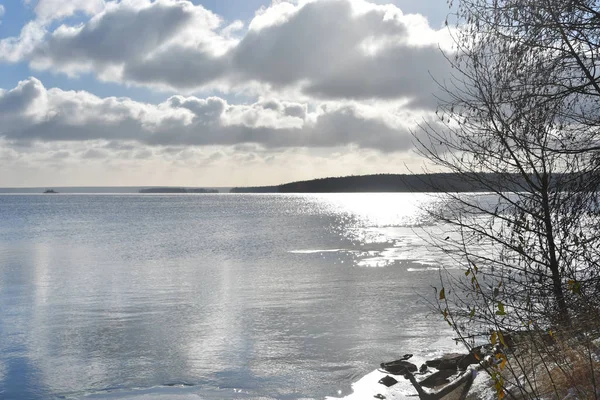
(30, 112)
(86, 163)
(58, 9)
(34, 33)
(15, 49)
(22, 102)
(122, 32)
(327, 49)
(332, 85)
(94, 154)
(342, 49)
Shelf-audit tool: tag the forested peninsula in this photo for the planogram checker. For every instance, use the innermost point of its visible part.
(437, 182)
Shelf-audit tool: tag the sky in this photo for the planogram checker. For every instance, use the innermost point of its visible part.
(214, 92)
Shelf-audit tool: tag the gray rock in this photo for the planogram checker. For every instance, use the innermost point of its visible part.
(388, 381)
(439, 378)
(398, 367)
(454, 361)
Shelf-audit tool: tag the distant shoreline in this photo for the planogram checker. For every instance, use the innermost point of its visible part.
(168, 190)
(111, 189)
(402, 183)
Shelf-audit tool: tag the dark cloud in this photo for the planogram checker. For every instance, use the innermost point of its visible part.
(121, 34)
(402, 70)
(177, 66)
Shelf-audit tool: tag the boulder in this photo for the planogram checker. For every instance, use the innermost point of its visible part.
(454, 361)
(398, 367)
(437, 379)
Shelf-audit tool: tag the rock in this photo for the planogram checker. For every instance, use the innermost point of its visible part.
(454, 361)
(388, 381)
(470, 359)
(447, 361)
(438, 378)
(379, 396)
(398, 367)
(423, 368)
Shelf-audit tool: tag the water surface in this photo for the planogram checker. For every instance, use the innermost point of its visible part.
(217, 296)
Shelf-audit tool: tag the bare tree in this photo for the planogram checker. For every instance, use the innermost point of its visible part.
(520, 119)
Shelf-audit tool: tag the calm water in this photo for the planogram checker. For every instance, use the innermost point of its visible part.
(238, 296)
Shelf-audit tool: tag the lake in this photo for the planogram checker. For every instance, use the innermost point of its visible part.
(212, 296)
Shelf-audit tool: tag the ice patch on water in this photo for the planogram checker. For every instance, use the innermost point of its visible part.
(177, 392)
(376, 246)
(423, 269)
(368, 387)
(316, 251)
(426, 266)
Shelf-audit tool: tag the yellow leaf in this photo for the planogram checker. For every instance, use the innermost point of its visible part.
(501, 338)
(493, 338)
(503, 363)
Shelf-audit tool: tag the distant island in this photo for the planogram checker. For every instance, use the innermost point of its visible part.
(437, 182)
(50, 191)
(177, 190)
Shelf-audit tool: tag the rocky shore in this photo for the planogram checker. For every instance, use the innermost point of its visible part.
(453, 376)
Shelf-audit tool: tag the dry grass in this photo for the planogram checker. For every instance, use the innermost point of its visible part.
(572, 372)
(561, 368)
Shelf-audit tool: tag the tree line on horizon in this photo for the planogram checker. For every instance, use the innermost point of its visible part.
(418, 183)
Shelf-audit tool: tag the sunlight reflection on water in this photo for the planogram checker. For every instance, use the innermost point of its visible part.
(382, 228)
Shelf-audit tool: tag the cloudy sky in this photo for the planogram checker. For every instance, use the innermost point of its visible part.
(213, 92)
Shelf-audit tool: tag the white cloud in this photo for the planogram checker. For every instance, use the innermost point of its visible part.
(15, 49)
(30, 112)
(327, 49)
(34, 33)
(57, 9)
(2, 12)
